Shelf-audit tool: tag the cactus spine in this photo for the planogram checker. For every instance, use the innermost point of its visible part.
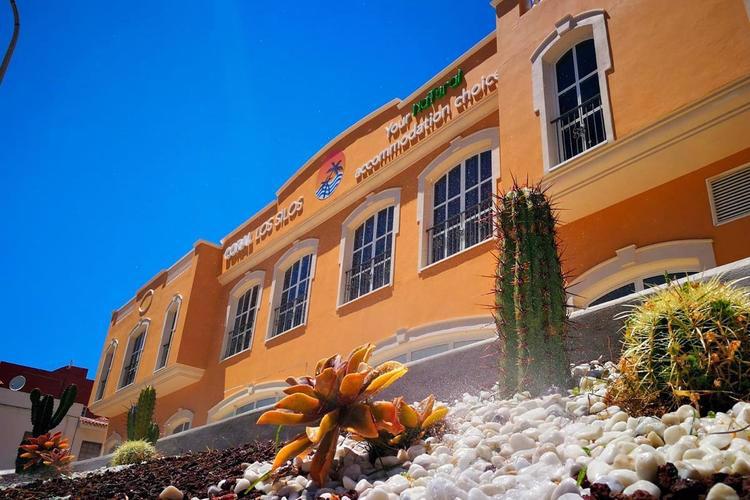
(140, 415)
(530, 307)
(42, 418)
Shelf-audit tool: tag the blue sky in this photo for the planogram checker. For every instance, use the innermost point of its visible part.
(129, 130)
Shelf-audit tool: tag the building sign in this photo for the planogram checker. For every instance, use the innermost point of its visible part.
(408, 130)
(330, 175)
(437, 93)
(265, 229)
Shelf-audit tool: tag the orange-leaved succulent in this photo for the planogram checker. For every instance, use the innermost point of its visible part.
(48, 449)
(336, 399)
(417, 420)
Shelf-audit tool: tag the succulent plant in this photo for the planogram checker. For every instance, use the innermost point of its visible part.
(140, 417)
(686, 343)
(336, 399)
(530, 295)
(42, 418)
(133, 452)
(48, 450)
(416, 421)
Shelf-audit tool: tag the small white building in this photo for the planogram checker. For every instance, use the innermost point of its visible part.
(85, 431)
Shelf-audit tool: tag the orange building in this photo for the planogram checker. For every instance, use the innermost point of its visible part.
(635, 115)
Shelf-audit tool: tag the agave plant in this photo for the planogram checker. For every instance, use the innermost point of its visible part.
(52, 450)
(336, 399)
(416, 421)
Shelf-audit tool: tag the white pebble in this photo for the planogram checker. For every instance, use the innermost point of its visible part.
(646, 486)
(721, 491)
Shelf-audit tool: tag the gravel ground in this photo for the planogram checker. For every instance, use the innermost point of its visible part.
(191, 473)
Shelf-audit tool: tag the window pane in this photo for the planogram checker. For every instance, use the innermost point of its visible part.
(565, 71)
(615, 294)
(454, 182)
(440, 190)
(472, 171)
(438, 215)
(568, 101)
(382, 223)
(390, 219)
(485, 191)
(589, 88)
(358, 234)
(369, 230)
(486, 171)
(454, 208)
(472, 197)
(586, 58)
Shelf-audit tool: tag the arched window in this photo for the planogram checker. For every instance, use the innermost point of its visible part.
(180, 421)
(455, 196)
(366, 251)
(105, 371)
(170, 325)
(243, 313)
(181, 427)
(570, 94)
(580, 122)
(634, 269)
(292, 277)
(133, 353)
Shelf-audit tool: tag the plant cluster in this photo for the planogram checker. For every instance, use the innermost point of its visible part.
(46, 450)
(339, 399)
(686, 343)
(133, 452)
(43, 418)
(140, 417)
(530, 309)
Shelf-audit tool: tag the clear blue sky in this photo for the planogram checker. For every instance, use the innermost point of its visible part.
(129, 130)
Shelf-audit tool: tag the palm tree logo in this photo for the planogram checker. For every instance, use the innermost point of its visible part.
(330, 175)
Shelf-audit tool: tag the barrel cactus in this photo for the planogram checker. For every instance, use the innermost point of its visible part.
(530, 309)
(687, 343)
(140, 417)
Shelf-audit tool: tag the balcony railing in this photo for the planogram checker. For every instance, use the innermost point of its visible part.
(461, 231)
(289, 314)
(580, 129)
(367, 276)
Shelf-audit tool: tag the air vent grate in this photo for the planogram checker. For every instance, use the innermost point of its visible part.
(731, 195)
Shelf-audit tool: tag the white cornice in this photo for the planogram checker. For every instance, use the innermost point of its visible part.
(165, 381)
(373, 182)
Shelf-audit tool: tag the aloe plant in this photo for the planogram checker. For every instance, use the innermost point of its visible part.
(336, 399)
(140, 417)
(49, 450)
(530, 308)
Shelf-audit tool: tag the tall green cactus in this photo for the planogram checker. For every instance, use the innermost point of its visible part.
(140, 415)
(530, 309)
(42, 418)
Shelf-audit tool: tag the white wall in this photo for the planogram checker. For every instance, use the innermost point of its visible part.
(15, 419)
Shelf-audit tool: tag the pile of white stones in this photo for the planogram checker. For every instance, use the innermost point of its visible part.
(534, 448)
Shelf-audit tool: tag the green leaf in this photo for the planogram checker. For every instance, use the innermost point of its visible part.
(581, 476)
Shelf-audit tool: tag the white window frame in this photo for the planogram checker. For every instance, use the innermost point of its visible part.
(569, 31)
(373, 204)
(141, 327)
(168, 331)
(248, 282)
(292, 255)
(632, 263)
(228, 406)
(459, 150)
(111, 347)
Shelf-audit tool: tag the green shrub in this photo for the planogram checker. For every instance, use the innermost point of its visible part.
(133, 452)
(687, 343)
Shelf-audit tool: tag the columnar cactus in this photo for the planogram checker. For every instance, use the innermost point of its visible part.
(140, 415)
(530, 308)
(42, 418)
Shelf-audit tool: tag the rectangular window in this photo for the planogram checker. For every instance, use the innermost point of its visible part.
(89, 449)
(294, 294)
(170, 326)
(244, 322)
(371, 255)
(128, 374)
(462, 207)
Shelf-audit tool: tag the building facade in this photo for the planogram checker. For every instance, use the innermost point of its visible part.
(86, 431)
(634, 115)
